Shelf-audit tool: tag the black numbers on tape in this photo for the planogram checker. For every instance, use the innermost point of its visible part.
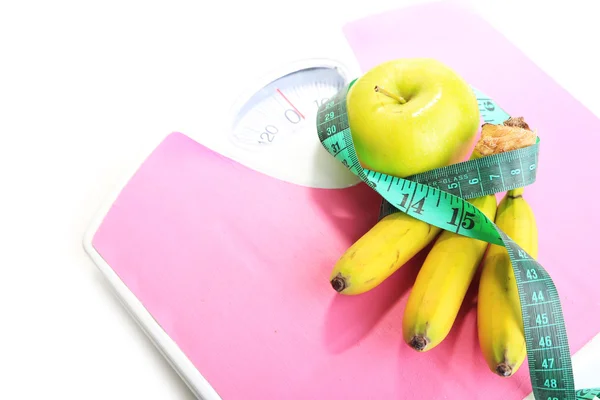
(416, 207)
(402, 204)
(454, 220)
(468, 219)
(335, 147)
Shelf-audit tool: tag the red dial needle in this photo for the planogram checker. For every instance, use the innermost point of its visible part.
(290, 103)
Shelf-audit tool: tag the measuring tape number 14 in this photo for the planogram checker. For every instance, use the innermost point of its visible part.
(425, 197)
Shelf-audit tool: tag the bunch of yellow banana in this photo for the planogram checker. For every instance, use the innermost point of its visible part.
(451, 264)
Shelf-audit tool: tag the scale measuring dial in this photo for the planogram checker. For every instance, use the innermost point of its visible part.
(275, 132)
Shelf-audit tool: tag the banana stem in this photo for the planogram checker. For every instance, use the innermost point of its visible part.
(515, 193)
(503, 369)
(419, 342)
(338, 283)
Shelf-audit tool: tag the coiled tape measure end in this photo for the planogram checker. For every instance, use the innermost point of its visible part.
(438, 197)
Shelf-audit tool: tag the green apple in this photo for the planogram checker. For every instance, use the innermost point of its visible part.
(411, 115)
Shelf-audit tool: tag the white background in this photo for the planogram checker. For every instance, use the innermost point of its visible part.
(86, 86)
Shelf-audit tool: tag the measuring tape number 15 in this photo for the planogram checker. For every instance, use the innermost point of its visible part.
(548, 354)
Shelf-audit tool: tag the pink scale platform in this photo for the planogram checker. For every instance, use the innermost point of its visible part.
(227, 268)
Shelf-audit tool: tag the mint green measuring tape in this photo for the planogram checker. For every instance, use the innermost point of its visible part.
(438, 198)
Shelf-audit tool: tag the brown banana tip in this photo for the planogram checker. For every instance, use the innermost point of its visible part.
(338, 283)
(504, 369)
(419, 343)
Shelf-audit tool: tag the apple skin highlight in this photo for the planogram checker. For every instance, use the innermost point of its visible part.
(434, 127)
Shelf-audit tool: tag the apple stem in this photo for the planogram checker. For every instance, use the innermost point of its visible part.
(399, 99)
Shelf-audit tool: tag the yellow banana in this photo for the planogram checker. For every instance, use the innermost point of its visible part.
(499, 321)
(387, 246)
(442, 283)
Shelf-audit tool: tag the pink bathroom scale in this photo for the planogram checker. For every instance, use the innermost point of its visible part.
(226, 268)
